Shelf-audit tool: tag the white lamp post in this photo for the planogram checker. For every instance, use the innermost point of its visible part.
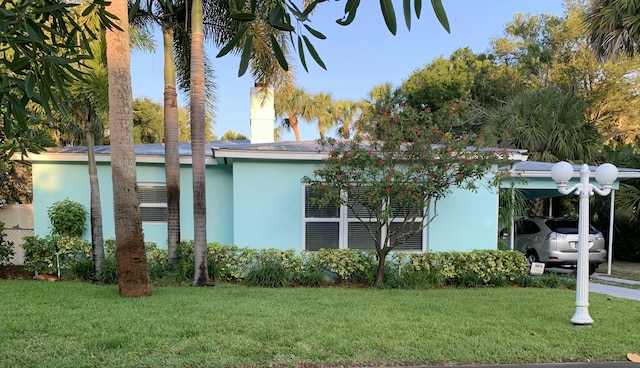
(606, 174)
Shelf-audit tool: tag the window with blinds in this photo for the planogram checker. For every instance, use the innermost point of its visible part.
(153, 202)
(340, 228)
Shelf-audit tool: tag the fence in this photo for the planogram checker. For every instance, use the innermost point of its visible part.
(15, 235)
(18, 220)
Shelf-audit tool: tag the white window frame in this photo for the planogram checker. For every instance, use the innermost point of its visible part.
(343, 225)
(151, 205)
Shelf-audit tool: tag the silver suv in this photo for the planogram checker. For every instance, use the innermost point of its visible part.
(554, 242)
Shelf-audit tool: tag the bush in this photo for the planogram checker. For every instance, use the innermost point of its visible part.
(40, 254)
(54, 253)
(476, 268)
(109, 272)
(412, 279)
(269, 274)
(68, 218)
(82, 268)
(311, 278)
(6, 247)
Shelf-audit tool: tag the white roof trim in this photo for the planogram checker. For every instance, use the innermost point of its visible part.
(82, 157)
(269, 155)
(300, 155)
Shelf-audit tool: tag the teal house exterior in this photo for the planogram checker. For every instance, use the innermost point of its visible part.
(255, 198)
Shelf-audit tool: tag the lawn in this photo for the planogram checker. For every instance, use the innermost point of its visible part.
(66, 324)
(623, 270)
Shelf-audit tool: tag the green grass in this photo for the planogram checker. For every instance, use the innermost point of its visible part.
(623, 270)
(73, 324)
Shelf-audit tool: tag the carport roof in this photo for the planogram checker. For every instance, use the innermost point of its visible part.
(537, 183)
(531, 169)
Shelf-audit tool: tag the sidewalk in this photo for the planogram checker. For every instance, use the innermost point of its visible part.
(617, 291)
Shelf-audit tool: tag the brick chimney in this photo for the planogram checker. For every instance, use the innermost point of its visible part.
(263, 116)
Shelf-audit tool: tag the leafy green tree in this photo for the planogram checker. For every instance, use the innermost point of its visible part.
(148, 125)
(42, 45)
(441, 81)
(389, 175)
(529, 46)
(232, 136)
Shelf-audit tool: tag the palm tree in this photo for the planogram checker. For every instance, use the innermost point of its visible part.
(549, 123)
(291, 103)
(133, 277)
(198, 101)
(345, 111)
(321, 108)
(91, 105)
(383, 97)
(169, 16)
(614, 27)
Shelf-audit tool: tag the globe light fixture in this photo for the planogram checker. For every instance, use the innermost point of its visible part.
(606, 174)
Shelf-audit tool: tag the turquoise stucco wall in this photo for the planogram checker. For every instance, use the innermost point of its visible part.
(465, 221)
(268, 203)
(54, 181)
(256, 204)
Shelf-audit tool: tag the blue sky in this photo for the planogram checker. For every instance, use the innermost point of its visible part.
(358, 57)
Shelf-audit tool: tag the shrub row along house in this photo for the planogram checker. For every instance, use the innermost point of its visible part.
(256, 196)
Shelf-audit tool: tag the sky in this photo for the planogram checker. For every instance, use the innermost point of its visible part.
(358, 57)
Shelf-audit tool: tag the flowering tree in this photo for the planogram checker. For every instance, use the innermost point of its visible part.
(399, 164)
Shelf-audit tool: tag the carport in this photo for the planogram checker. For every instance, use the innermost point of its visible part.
(533, 180)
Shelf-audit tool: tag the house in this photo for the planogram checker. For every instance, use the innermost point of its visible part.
(255, 196)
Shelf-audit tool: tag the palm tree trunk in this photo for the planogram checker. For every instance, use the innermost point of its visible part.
(97, 239)
(293, 123)
(201, 277)
(133, 277)
(171, 150)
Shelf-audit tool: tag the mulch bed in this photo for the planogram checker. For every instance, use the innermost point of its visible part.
(14, 272)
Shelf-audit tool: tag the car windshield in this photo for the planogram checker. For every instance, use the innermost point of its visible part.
(567, 226)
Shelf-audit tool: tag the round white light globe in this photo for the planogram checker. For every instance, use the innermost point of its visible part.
(562, 172)
(606, 174)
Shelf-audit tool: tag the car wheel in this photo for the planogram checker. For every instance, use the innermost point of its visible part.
(532, 256)
(592, 268)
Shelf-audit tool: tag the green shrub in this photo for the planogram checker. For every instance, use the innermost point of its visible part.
(6, 247)
(40, 254)
(475, 268)
(346, 265)
(554, 281)
(68, 218)
(109, 272)
(412, 279)
(82, 268)
(269, 274)
(56, 253)
(157, 262)
(311, 278)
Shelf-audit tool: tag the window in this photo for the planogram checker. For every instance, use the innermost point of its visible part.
(333, 227)
(153, 202)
